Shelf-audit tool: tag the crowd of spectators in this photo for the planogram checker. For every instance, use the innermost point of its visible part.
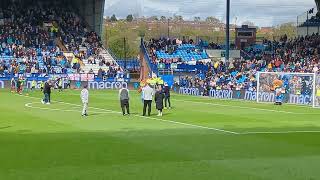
(171, 46)
(29, 35)
(296, 55)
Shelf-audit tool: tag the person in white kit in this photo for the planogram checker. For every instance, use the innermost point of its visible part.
(85, 100)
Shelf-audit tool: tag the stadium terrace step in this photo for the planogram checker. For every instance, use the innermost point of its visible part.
(95, 67)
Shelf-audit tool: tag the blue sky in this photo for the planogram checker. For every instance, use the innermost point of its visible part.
(261, 12)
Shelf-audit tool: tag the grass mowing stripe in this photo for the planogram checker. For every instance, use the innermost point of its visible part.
(146, 117)
(242, 107)
(279, 132)
(199, 126)
(29, 105)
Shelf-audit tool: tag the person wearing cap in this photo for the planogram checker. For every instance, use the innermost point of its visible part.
(85, 100)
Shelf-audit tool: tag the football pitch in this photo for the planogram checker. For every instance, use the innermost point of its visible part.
(198, 139)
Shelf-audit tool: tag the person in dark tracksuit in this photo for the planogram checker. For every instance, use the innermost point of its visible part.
(158, 98)
(47, 93)
(166, 91)
(124, 100)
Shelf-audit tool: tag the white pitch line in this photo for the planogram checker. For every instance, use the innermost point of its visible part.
(279, 132)
(29, 105)
(241, 107)
(147, 117)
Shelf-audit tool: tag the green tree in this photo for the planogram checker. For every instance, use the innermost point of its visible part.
(213, 20)
(163, 18)
(113, 18)
(197, 19)
(153, 18)
(142, 30)
(107, 18)
(113, 36)
(288, 29)
(177, 18)
(130, 18)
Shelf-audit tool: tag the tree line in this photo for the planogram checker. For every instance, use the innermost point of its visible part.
(117, 30)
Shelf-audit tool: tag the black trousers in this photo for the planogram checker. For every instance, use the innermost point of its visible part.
(167, 100)
(125, 106)
(145, 104)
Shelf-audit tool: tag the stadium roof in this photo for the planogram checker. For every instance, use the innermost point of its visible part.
(90, 10)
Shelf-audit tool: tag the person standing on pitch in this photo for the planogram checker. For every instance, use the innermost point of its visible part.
(124, 100)
(158, 98)
(47, 93)
(166, 91)
(33, 85)
(85, 100)
(60, 82)
(147, 99)
(19, 86)
(41, 85)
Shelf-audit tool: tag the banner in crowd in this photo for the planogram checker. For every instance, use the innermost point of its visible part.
(246, 95)
(72, 77)
(44, 77)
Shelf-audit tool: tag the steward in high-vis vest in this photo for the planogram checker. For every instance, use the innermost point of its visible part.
(41, 85)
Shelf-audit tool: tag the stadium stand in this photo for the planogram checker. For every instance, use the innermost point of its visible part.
(132, 65)
(296, 55)
(174, 50)
(39, 38)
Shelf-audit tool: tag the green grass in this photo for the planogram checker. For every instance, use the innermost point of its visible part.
(53, 142)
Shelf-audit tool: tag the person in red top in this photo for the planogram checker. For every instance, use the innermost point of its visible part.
(278, 63)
